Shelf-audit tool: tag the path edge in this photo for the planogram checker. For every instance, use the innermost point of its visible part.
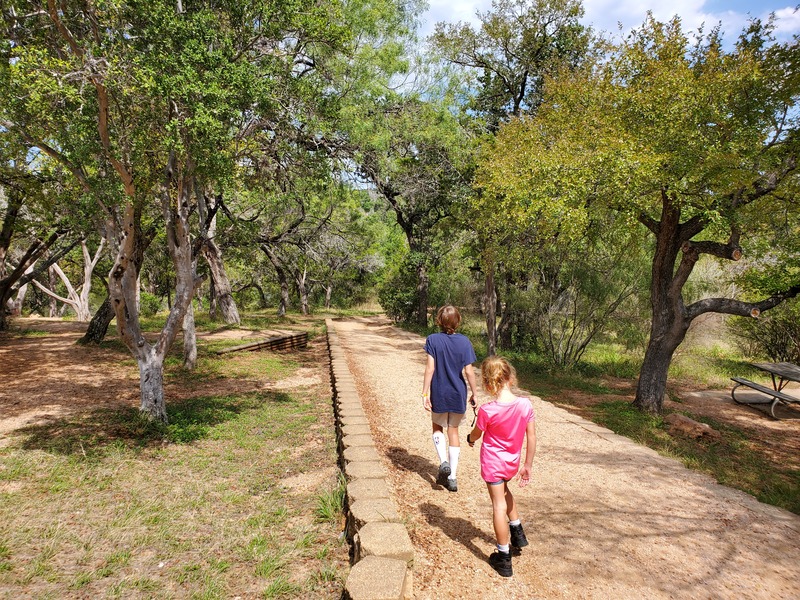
(382, 555)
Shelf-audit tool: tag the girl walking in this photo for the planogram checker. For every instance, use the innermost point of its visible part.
(505, 423)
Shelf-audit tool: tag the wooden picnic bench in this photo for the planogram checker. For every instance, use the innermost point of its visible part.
(782, 373)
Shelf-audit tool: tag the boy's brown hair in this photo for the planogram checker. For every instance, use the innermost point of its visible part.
(448, 318)
(496, 371)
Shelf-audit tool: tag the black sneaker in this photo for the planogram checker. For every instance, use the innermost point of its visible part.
(501, 562)
(518, 539)
(450, 484)
(444, 471)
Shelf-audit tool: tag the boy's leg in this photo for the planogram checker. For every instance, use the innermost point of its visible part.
(440, 444)
(454, 451)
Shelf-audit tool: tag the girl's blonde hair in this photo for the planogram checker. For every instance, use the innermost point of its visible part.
(448, 318)
(496, 372)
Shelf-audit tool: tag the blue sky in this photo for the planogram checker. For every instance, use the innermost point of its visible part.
(605, 14)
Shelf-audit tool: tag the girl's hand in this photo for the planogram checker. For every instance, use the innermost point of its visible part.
(524, 476)
(426, 402)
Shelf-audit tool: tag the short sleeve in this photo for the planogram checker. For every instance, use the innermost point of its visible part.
(482, 419)
(428, 347)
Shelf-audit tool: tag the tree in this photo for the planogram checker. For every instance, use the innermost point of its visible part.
(510, 53)
(507, 59)
(78, 299)
(697, 144)
(416, 160)
(154, 113)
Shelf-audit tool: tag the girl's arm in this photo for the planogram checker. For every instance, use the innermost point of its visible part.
(430, 367)
(530, 451)
(474, 435)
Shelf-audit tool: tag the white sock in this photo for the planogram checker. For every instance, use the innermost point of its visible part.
(455, 451)
(515, 522)
(440, 445)
(503, 548)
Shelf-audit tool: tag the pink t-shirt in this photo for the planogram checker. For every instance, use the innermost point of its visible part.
(503, 425)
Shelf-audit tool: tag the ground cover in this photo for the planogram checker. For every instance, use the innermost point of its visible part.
(239, 496)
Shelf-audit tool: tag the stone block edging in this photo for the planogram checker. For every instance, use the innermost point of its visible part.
(381, 544)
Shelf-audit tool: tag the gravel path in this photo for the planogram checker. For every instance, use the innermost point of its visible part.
(605, 517)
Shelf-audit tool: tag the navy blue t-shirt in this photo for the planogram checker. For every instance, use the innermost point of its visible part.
(451, 353)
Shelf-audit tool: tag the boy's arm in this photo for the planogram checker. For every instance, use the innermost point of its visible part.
(430, 367)
(530, 451)
(470, 373)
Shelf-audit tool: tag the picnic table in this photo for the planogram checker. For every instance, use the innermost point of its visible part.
(782, 373)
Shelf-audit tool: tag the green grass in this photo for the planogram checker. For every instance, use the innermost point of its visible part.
(106, 504)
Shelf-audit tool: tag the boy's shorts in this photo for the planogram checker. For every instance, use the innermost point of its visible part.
(448, 419)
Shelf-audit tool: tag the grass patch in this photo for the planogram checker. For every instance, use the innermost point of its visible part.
(330, 503)
(106, 504)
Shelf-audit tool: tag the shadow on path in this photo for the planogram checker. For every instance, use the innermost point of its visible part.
(457, 529)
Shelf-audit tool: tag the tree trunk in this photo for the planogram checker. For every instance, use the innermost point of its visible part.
(652, 385)
(328, 292)
(491, 309)
(302, 290)
(220, 283)
(53, 281)
(669, 318)
(189, 340)
(98, 326)
(151, 383)
(422, 295)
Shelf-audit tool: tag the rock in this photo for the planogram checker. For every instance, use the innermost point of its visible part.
(683, 425)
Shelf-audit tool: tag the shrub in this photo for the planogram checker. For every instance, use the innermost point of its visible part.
(149, 304)
(775, 334)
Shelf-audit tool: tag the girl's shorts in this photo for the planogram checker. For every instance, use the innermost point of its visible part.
(448, 419)
(498, 482)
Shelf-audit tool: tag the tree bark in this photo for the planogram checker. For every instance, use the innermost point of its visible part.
(491, 308)
(189, 340)
(53, 281)
(222, 292)
(302, 290)
(283, 281)
(98, 326)
(422, 295)
(328, 293)
(151, 382)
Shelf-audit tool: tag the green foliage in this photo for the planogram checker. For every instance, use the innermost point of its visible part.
(774, 335)
(397, 293)
(149, 304)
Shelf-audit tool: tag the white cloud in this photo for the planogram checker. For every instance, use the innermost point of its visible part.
(788, 22)
(605, 15)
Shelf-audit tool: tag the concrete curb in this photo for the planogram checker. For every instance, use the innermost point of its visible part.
(382, 552)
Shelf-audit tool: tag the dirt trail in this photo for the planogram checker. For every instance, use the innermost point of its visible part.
(606, 518)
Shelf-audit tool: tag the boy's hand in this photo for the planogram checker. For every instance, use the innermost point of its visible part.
(426, 402)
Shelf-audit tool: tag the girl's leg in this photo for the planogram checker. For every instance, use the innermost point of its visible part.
(498, 494)
(511, 506)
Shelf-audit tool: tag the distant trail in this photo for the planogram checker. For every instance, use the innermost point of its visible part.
(605, 517)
